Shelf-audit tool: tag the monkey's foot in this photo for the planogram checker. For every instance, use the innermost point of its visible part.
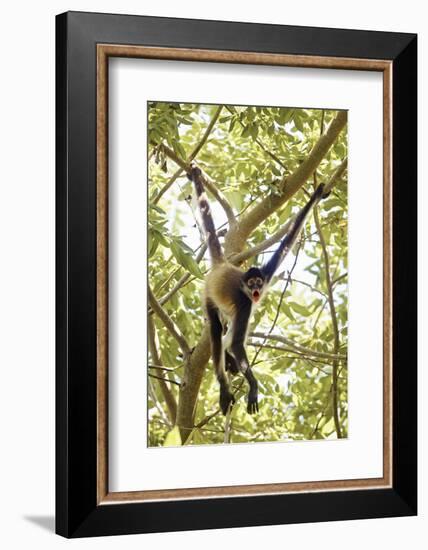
(226, 400)
(252, 406)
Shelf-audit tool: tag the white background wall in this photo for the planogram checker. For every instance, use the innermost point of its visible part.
(27, 88)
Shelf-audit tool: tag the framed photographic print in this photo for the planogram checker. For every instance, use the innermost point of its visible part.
(236, 274)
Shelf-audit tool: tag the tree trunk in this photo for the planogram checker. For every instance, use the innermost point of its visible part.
(191, 382)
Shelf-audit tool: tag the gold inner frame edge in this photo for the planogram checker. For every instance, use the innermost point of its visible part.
(104, 51)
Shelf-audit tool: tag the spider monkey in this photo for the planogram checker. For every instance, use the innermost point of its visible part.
(231, 295)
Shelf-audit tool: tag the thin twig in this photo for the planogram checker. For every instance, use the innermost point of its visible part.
(160, 367)
(158, 405)
(168, 323)
(298, 354)
(183, 279)
(279, 303)
(290, 184)
(335, 281)
(333, 321)
(309, 286)
(261, 247)
(169, 397)
(228, 421)
(322, 414)
(282, 231)
(207, 183)
(164, 379)
(298, 347)
(192, 155)
(260, 144)
(336, 176)
(207, 418)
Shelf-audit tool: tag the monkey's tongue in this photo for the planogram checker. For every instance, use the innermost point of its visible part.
(256, 296)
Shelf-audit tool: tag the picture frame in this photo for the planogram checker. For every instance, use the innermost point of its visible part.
(84, 44)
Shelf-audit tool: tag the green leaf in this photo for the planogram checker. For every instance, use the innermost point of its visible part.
(254, 131)
(157, 208)
(153, 243)
(173, 438)
(196, 437)
(298, 308)
(298, 124)
(240, 170)
(235, 198)
(287, 310)
(186, 260)
(186, 121)
(232, 124)
(178, 148)
(246, 132)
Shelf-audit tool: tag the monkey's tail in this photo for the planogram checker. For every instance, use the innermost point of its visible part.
(214, 245)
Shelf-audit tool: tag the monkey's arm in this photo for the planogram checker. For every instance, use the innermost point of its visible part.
(288, 241)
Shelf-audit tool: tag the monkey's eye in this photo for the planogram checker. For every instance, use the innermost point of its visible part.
(259, 281)
(250, 282)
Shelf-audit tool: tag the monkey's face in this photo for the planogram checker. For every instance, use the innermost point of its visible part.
(253, 284)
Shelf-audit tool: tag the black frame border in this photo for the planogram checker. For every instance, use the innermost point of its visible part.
(77, 512)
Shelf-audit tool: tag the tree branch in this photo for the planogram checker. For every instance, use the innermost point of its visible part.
(284, 290)
(322, 414)
(207, 183)
(164, 379)
(170, 401)
(157, 404)
(260, 144)
(192, 155)
(161, 367)
(304, 283)
(289, 185)
(207, 418)
(298, 348)
(168, 323)
(238, 259)
(336, 176)
(183, 280)
(190, 384)
(334, 324)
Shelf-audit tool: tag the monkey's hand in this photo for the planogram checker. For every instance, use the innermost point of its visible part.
(226, 400)
(194, 173)
(252, 406)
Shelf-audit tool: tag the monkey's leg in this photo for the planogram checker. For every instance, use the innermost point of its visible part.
(226, 397)
(231, 364)
(238, 351)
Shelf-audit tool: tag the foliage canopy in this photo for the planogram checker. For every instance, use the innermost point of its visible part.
(298, 338)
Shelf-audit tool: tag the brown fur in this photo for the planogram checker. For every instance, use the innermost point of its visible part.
(221, 286)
